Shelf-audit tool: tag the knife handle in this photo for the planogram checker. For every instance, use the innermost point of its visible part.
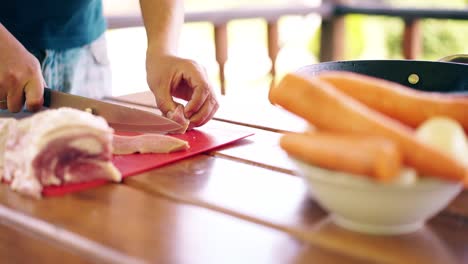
(47, 96)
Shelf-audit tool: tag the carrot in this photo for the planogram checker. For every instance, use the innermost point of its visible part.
(405, 104)
(376, 157)
(331, 110)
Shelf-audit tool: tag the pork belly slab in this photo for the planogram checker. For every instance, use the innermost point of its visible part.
(56, 146)
(5, 126)
(66, 145)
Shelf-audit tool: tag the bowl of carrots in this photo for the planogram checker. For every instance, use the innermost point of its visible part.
(366, 164)
(366, 206)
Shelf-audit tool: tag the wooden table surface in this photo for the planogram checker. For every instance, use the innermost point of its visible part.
(238, 204)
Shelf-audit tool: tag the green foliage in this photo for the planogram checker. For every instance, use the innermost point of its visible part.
(355, 37)
(429, 3)
(314, 43)
(444, 37)
(439, 37)
(393, 28)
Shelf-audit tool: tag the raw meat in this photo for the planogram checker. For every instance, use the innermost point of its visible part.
(5, 125)
(57, 146)
(147, 143)
(178, 116)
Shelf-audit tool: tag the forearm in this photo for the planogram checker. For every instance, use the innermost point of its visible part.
(163, 20)
(7, 39)
(4, 34)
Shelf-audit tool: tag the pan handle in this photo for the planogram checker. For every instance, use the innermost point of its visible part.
(459, 58)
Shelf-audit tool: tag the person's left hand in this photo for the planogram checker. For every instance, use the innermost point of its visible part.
(170, 76)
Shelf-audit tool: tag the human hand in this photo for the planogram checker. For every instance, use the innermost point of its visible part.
(169, 76)
(20, 76)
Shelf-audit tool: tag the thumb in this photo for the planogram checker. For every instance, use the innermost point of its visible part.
(34, 91)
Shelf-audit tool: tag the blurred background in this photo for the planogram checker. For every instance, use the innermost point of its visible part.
(245, 36)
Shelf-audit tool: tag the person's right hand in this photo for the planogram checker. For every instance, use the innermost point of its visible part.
(21, 78)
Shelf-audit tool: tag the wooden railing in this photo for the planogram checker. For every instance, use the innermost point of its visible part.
(411, 41)
(332, 13)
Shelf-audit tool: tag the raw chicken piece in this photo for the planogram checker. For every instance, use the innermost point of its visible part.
(53, 147)
(147, 143)
(178, 116)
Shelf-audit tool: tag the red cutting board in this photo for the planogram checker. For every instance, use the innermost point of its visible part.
(200, 140)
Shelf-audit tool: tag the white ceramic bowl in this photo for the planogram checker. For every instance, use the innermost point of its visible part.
(361, 204)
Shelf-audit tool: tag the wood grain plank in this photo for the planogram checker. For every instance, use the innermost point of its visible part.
(460, 205)
(242, 187)
(261, 149)
(16, 246)
(156, 230)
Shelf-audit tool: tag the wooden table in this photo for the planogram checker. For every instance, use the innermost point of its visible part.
(250, 198)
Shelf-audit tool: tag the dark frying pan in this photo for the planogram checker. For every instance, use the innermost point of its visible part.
(434, 76)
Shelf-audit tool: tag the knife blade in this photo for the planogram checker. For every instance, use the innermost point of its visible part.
(119, 117)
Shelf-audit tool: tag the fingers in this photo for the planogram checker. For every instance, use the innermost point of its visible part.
(183, 79)
(15, 100)
(199, 109)
(201, 92)
(199, 97)
(10, 82)
(205, 113)
(34, 91)
(21, 82)
(3, 100)
(203, 104)
(31, 93)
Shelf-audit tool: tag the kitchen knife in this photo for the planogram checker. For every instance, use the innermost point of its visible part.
(119, 117)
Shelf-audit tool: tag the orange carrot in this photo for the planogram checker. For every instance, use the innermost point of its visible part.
(327, 108)
(405, 104)
(362, 155)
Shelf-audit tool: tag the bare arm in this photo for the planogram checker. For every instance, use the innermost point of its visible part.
(163, 20)
(168, 75)
(20, 75)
